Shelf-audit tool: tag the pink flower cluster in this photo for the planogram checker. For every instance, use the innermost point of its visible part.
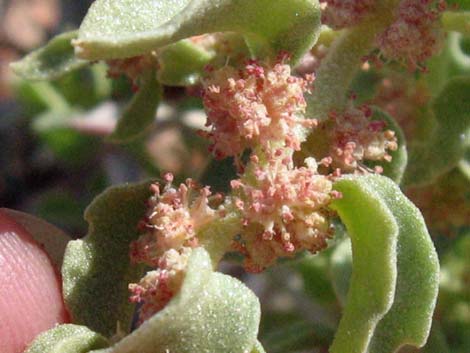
(415, 34)
(254, 106)
(132, 67)
(172, 221)
(355, 137)
(158, 287)
(170, 232)
(283, 210)
(339, 14)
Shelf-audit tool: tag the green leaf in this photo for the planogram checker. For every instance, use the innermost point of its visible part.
(437, 341)
(97, 269)
(396, 168)
(212, 313)
(51, 61)
(67, 338)
(140, 113)
(409, 319)
(182, 63)
(445, 147)
(374, 233)
(124, 28)
(258, 348)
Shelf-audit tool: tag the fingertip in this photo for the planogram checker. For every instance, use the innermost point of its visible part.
(30, 290)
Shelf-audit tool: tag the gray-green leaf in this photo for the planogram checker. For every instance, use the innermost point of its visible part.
(124, 28)
(141, 111)
(374, 233)
(55, 59)
(213, 313)
(97, 269)
(414, 292)
(410, 317)
(67, 338)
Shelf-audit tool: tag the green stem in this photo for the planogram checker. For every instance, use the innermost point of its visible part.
(339, 67)
(456, 21)
(217, 236)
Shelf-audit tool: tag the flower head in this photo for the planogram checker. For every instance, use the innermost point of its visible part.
(283, 210)
(172, 221)
(158, 287)
(254, 106)
(345, 13)
(415, 34)
(131, 67)
(355, 137)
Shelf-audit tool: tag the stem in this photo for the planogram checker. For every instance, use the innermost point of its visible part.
(339, 67)
(217, 236)
(456, 21)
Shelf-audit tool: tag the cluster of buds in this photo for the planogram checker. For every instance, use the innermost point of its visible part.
(254, 106)
(415, 34)
(284, 210)
(339, 14)
(170, 230)
(158, 287)
(354, 137)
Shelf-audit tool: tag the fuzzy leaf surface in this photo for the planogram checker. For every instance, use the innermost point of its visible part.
(212, 313)
(67, 338)
(52, 61)
(97, 269)
(124, 28)
(374, 233)
(409, 319)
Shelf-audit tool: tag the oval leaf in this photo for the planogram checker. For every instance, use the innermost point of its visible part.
(67, 338)
(213, 313)
(410, 317)
(55, 59)
(374, 232)
(97, 269)
(445, 147)
(140, 113)
(124, 28)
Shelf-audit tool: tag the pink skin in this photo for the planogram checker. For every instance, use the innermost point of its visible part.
(30, 291)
